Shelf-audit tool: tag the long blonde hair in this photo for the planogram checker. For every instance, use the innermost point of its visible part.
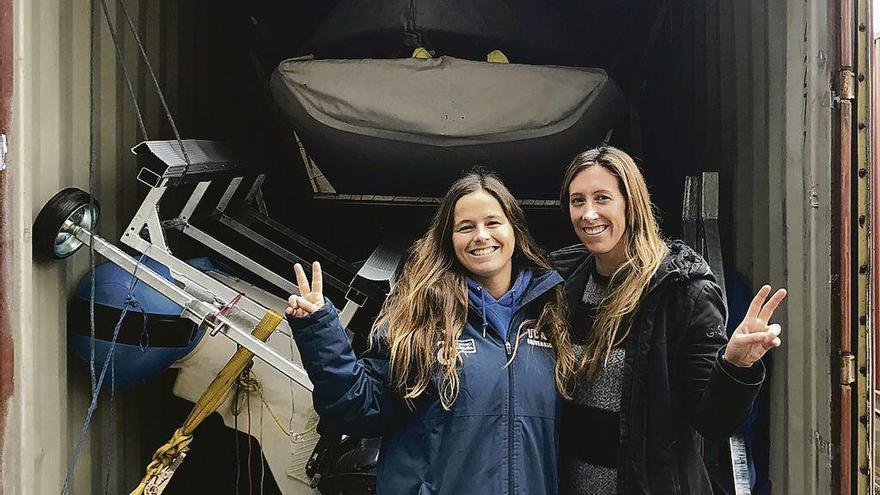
(645, 249)
(429, 304)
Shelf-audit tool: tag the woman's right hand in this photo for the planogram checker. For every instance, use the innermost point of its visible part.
(310, 298)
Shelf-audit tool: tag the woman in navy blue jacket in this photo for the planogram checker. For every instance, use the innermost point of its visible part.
(471, 351)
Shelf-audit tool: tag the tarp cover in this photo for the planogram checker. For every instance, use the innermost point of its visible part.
(364, 121)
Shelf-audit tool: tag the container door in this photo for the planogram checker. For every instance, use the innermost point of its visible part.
(6, 357)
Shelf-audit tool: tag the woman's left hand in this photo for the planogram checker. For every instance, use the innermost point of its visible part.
(754, 337)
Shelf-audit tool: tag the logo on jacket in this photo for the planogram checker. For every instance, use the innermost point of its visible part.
(465, 346)
(538, 338)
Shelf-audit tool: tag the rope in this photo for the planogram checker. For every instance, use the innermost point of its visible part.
(143, 52)
(251, 385)
(97, 382)
(109, 442)
(168, 457)
(250, 449)
(235, 435)
(130, 302)
(120, 59)
(262, 457)
(93, 159)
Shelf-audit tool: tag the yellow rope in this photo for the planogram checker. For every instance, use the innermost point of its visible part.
(164, 457)
(249, 383)
(164, 461)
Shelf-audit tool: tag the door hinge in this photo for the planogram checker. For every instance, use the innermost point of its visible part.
(846, 84)
(3, 149)
(847, 369)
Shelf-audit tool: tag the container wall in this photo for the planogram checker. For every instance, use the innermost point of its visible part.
(757, 108)
(751, 88)
(49, 147)
(782, 187)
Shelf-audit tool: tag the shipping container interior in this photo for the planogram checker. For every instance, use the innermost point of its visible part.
(742, 88)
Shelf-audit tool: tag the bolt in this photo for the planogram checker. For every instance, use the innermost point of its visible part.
(861, 220)
(861, 78)
(863, 269)
(862, 27)
(862, 126)
(863, 419)
(864, 470)
(863, 172)
(863, 320)
(863, 370)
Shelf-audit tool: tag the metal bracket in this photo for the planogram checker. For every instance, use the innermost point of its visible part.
(154, 229)
(847, 369)
(142, 175)
(228, 193)
(147, 215)
(187, 211)
(846, 84)
(3, 150)
(255, 195)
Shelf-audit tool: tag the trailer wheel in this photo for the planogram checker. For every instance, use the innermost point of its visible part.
(53, 233)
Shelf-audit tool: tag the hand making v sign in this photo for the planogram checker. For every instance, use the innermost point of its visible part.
(310, 298)
(754, 337)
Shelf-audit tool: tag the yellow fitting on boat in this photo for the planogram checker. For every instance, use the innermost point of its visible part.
(166, 459)
(421, 53)
(497, 57)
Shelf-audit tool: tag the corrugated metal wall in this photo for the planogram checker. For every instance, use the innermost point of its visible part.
(758, 77)
(49, 150)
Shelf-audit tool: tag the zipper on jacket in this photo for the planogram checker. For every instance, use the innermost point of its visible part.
(511, 416)
(510, 422)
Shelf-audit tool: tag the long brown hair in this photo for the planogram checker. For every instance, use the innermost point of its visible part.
(429, 303)
(645, 249)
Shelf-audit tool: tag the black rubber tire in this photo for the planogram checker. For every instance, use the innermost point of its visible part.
(51, 218)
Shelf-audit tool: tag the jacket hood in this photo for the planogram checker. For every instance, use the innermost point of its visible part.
(530, 284)
(497, 312)
(681, 264)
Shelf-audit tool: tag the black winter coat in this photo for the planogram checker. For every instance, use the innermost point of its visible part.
(675, 387)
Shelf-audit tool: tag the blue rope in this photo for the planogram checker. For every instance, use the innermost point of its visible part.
(130, 303)
(110, 425)
(145, 334)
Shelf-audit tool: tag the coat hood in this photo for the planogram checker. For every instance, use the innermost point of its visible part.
(681, 264)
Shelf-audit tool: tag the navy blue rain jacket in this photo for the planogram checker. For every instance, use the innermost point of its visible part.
(500, 436)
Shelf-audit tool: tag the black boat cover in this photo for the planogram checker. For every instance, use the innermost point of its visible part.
(527, 31)
(409, 126)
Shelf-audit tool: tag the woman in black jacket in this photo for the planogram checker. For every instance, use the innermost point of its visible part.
(648, 324)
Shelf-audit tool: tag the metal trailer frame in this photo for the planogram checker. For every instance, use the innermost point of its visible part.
(201, 295)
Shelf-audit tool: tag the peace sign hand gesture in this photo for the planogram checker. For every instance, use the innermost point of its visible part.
(310, 298)
(753, 337)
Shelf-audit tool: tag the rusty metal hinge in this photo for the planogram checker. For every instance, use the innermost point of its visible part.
(847, 369)
(846, 84)
(3, 150)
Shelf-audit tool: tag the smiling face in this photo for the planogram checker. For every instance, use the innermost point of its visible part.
(597, 210)
(483, 240)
